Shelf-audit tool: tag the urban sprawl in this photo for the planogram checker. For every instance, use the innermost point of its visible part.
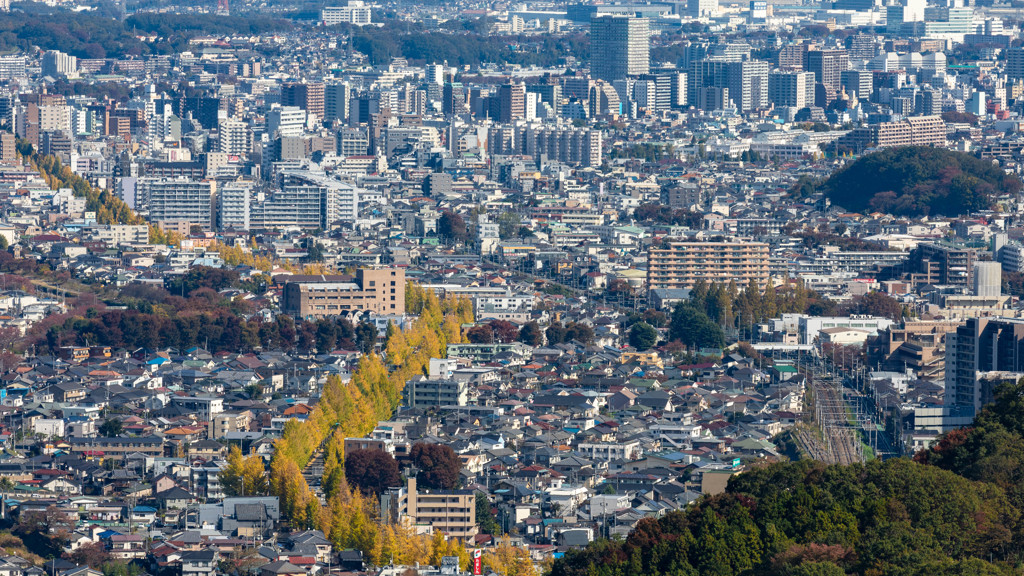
(459, 288)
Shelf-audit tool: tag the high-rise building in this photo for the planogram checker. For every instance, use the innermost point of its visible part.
(285, 121)
(434, 74)
(702, 8)
(620, 46)
(353, 142)
(307, 200)
(234, 137)
(975, 355)
(353, 12)
(827, 65)
(669, 90)
(792, 57)
(454, 99)
(452, 512)
(26, 123)
(859, 82)
(943, 264)
(683, 264)
(8, 147)
(233, 206)
(560, 143)
(511, 102)
(204, 109)
(645, 94)
(746, 82)
(791, 88)
(988, 279)
(929, 102)
(862, 46)
(336, 101)
(916, 131)
(902, 16)
(12, 67)
(309, 97)
(376, 290)
(57, 64)
(1015, 63)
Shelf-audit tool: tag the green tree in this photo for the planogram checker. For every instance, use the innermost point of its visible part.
(579, 332)
(642, 336)
(531, 334)
(111, 427)
(485, 516)
(315, 252)
(508, 225)
(693, 328)
(366, 337)
(555, 333)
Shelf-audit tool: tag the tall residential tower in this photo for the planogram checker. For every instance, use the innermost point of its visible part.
(620, 46)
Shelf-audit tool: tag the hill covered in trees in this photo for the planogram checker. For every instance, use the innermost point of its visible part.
(917, 181)
(955, 509)
(99, 35)
(465, 47)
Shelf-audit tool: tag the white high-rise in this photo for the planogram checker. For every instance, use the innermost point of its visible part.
(233, 202)
(57, 64)
(795, 89)
(620, 46)
(285, 121)
(234, 137)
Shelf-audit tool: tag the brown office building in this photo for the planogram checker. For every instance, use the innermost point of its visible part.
(943, 264)
(8, 147)
(511, 103)
(683, 264)
(374, 290)
(309, 97)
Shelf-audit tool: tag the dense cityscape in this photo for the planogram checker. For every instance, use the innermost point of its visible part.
(677, 288)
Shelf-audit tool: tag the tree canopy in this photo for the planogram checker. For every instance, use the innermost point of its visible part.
(642, 336)
(438, 464)
(372, 471)
(692, 327)
(893, 517)
(919, 180)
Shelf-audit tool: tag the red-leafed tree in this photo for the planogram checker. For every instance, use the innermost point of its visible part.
(438, 464)
(373, 471)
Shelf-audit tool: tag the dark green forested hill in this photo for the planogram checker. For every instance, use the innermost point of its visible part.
(98, 35)
(918, 180)
(956, 510)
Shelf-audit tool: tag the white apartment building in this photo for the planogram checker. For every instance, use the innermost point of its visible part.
(609, 451)
(234, 137)
(506, 307)
(234, 206)
(355, 12)
(286, 121)
(176, 200)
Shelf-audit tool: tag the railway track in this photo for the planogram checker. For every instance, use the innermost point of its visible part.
(840, 443)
